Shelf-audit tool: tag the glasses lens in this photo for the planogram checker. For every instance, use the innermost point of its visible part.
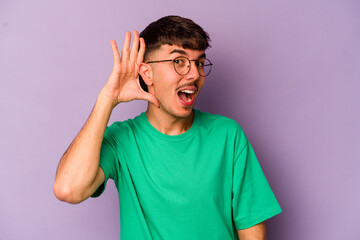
(182, 65)
(204, 67)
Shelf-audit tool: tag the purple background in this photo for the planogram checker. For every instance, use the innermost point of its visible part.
(287, 71)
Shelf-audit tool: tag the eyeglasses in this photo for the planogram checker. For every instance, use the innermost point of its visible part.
(182, 65)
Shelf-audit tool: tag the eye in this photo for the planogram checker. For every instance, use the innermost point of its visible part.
(180, 61)
(200, 63)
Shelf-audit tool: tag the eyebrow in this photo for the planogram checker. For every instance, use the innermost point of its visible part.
(202, 56)
(182, 52)
(178, 51)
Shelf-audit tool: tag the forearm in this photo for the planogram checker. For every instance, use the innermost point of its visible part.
(79, 165)
(257, 232)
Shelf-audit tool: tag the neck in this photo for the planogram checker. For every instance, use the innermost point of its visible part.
(166, 123)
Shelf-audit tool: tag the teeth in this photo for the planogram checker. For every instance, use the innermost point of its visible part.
(188, 91)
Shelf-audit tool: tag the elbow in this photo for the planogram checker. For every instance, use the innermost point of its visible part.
(65, 194)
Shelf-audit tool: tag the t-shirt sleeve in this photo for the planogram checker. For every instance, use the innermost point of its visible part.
(252, 198)
(108, 160)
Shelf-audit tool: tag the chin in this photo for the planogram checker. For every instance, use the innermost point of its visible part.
(185, 112)
(180, 113)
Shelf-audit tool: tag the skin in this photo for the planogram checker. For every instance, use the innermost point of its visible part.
(256, 232)
(171, 117)
(78, 174)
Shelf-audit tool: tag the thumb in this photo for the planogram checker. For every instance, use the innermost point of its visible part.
(149, 97)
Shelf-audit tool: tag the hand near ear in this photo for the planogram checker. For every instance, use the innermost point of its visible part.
(123, 84)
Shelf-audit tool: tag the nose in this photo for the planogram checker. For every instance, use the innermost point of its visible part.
(194, 72)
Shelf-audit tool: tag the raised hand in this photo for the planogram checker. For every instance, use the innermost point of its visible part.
(123, 84)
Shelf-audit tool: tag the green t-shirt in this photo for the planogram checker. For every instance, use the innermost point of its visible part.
(202, 184)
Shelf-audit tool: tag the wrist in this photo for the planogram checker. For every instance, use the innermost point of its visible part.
(104, 99)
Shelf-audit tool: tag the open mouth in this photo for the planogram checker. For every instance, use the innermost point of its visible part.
(186, 96)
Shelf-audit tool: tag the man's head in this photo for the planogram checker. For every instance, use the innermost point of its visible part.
(173, 30)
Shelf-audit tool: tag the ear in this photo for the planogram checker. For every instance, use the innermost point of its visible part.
(146, 73)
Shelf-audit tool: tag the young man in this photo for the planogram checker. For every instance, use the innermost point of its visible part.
(180, 173)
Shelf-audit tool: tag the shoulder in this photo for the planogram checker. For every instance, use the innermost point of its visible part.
(222, 129)
(124, 127)
(218, 121)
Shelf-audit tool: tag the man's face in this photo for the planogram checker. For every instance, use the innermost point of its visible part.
(176, 94)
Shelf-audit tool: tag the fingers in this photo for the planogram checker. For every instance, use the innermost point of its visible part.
(135, 54)
(116, 55)
(141, 54)
(134, 47)
(125, 50)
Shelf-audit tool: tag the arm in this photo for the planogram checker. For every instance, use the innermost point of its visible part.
(78, 174)
(257, 232)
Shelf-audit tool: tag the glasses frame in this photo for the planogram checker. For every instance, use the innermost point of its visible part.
(196, 64)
